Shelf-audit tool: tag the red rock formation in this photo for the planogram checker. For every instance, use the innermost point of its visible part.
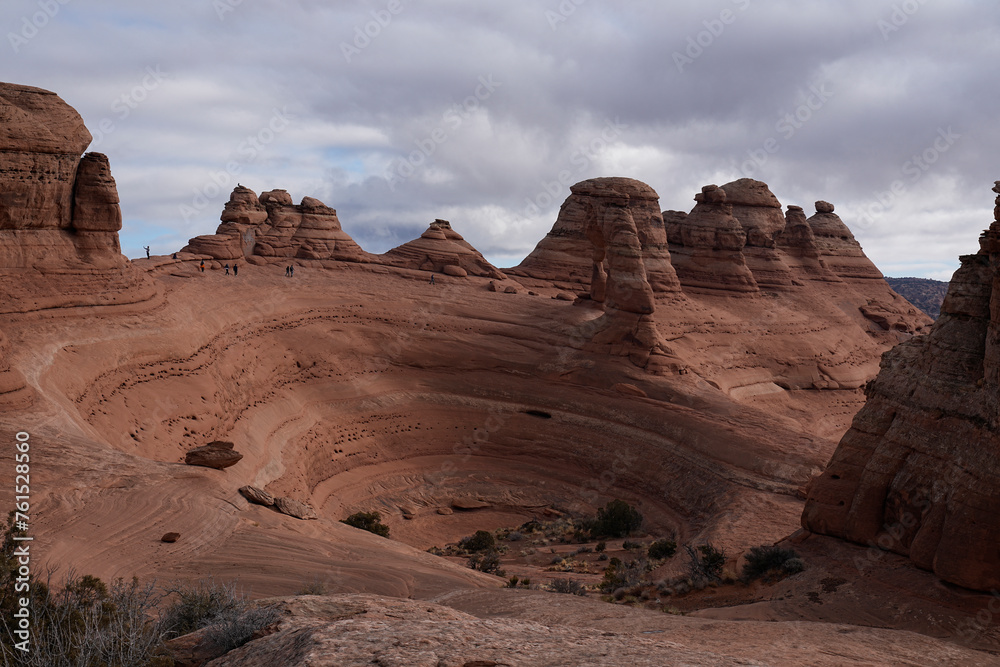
(838, 248)
(759, 213)
(443, 250)
(272, 226)
(918, 472)
(59, 215)
(798, 243)
(565, 254)
(707, 245)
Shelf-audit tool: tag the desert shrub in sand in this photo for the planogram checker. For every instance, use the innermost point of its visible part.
(706, 562)
(231, 620)
(568, 586)
(487, 561)
(482, 540)
(370, 521)
(616, 519)
(662, 549)
(764, 560)
(623, 575)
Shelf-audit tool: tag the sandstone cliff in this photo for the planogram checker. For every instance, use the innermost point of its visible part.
(59, 214)
(917, 472)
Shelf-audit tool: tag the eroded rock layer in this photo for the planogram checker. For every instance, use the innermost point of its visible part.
(443, 250)
(759, 213)
(919, 470)
(708, 245)
(565, 253)
(59, 214)
(272, 226)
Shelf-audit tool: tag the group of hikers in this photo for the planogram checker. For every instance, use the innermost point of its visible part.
(289, 270)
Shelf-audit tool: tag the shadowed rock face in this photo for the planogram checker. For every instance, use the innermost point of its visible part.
(919, 470)
(565, 254)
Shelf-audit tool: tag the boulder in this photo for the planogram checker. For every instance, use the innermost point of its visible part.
(219, 455)
(294, 508)
(170, 538)
(453, 270)
(257, 496)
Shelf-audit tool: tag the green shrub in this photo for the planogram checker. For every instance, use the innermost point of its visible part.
(482, 541)
(370, 521)
(765, 559)
(662, 549)
(198, 605)
(617, 519)
(706, 562)
(487, 561)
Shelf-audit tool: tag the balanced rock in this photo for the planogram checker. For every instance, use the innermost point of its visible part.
(257, 496)
(918, 473)
(838, 248)
(218, 454)
(443, 250)
(566, 254)
(294, 508)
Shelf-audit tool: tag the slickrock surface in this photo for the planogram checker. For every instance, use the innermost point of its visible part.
(528, 629)
(443, 250)
(360, 386)
(918, 472)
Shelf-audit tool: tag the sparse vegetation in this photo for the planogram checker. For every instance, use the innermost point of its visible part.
(662, 549)
(629, 545)
(482, 540)
(617, 519)
(621, 575)
(706, 563)
(488, 562)
(568, 586)
(316, 587)
(370, 521)
(763, 561)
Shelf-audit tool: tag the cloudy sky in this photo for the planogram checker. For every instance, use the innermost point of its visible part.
(397, 112)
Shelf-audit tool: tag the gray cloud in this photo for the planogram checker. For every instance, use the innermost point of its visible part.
(675, 94)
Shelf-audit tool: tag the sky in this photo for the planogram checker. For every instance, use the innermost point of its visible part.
(397, 112)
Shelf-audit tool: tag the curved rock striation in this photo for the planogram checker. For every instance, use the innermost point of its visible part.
(918, 472)
(565, 254)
